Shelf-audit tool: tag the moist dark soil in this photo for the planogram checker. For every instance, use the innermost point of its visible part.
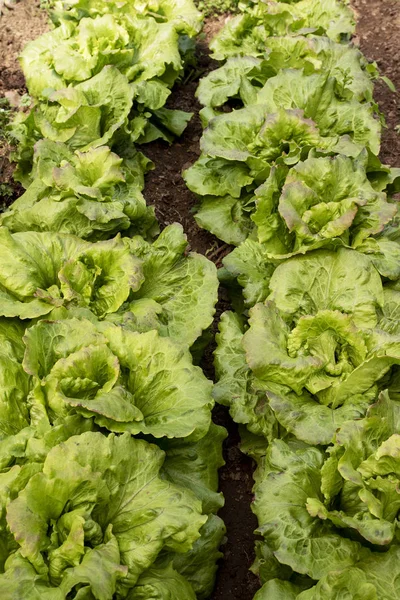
(378, 35)
(165, 188)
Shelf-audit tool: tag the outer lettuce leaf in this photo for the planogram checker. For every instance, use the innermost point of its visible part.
(252, 268)
(92, 469)
(240, 77)
(265, 565)
(179, 293)
(322, 280)
(373, 578)
(92, 194)
(389, 315)
(287, 479)
(20, 580)
(164, 123)
(280, 590)
(194, 466)
(227, 177)
(199, 565)
(162, 583)
(15, 419)
(126, 381)
(311, 421)
(268, 568)
(173, 395)
(236, 387)
(226, 217)
(26, 433)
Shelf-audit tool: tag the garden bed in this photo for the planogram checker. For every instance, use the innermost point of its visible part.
(378, 35)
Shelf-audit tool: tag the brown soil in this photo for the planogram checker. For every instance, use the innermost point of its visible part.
(24, 22)
(165, 188)
(18, 25)
(378, 34)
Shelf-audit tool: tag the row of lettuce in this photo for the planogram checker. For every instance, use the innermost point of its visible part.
(308, 361)
(108, 456)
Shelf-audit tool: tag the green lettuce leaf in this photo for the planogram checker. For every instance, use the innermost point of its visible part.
(279, 590)
(242, 76)
(20, 580)
(325, 354)
(194, 466)
(252, 268)
(125, 381)
(247, 34)
(179, 292)
(286, 480)
(92, 194)
(373, 578)
(56, 269)
(183, 14)
(236, 387)
(199, 565)
(323, 280)
(226, 217)
(162, 583)
(14, 389)
(102, 484)
(85, 116)
(76, 52)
